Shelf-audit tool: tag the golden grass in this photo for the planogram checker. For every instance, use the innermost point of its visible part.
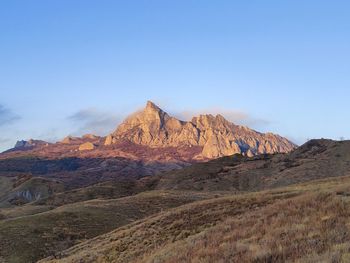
(303, 223)
(309, 228)
(29, 238)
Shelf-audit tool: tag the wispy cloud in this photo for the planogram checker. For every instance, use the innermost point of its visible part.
(51, 135)
(5, 143)
(94, 121)
(7, 116)
(235, 116)
(4, 140)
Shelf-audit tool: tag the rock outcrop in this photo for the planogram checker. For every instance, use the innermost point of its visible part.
(22, 143)
(29, 144)
(218, 137)
(87, 146)
(69, 139)
(91, 136)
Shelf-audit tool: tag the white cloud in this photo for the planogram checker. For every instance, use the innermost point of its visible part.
(7, 116)
(94, 121)
(235, 116)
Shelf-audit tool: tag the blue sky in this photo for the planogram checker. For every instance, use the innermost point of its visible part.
(73, 67)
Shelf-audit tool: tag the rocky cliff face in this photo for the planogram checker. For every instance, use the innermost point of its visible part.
(29, 144)
(218, 137)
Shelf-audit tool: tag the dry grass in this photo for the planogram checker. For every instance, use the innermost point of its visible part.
(315, 160)
(309, 228)
(105, 190)
(29, 238)
(25, 189)
(303, 223)
(133, 241)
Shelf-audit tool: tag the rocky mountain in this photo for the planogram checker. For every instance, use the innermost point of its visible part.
(26, 145)
(216, 135)
(146, 143)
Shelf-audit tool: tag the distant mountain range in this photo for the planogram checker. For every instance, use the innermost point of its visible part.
(204, 137)
(146, 143)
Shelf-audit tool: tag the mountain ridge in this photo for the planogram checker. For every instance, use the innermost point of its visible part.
(204, 137)
(148, 142)
(218, 137)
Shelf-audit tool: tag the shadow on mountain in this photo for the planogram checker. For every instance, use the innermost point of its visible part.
(76, 172)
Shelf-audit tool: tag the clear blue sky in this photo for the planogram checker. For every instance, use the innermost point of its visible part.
(70, 67)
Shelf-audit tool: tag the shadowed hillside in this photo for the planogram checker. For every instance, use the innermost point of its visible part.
(80, 172)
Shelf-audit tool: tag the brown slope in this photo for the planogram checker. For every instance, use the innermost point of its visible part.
(63, 161)
(31, 237)
(242, 228)
(20, 190)
(106, 190)
(77, 172)
(314, 160)
(312, 227)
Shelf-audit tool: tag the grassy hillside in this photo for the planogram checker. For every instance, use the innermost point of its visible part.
(105, 190)
(310, 228)
(314, 160)
(31, 237)
(306, 222)
(20, 190)
(34, 228)
(6, 185)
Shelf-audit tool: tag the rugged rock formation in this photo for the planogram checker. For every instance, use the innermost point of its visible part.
(87, 146)
(218, 137)
(69, 140)
(91, 136)
(29, 144)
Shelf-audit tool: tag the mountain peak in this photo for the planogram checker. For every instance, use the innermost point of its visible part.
(151, 104)
(217, 136)
(152, 107)
(151, 113)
